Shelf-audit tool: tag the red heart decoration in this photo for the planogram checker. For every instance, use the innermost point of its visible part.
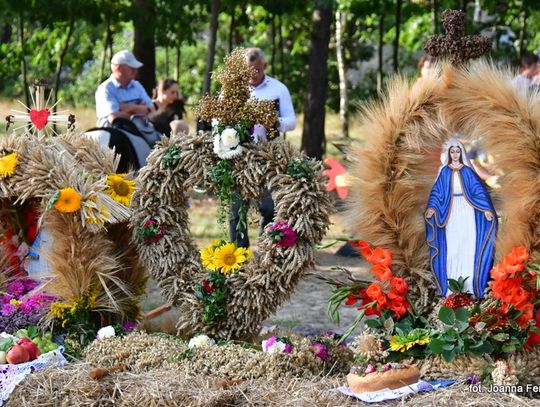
(39, 117)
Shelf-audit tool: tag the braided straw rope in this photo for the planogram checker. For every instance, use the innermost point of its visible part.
(257, 289)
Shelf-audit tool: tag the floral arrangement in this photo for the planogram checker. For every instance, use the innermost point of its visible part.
(119, 188)
(277, 344)
(221, 259)
(463, 326)
(151, 231)
(20, 308)
(282, 234)
(386, 298)
(8, 163)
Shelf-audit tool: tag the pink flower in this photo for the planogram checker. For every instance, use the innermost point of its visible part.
(282, 234)
(321, 351)
(370, 369)
(16, 288)
(288, 348)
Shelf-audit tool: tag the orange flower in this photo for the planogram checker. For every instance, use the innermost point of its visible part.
(519, 254)
(399, 284)
(382, 272)
(400, 308)
(375, 292)
(498, 272)
(380, 256)
(527, 316)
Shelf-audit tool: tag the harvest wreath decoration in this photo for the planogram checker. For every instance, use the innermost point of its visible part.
(230, 300)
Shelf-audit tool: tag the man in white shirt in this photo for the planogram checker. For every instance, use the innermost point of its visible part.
(262, 87)
(121, 96)
(528, 70)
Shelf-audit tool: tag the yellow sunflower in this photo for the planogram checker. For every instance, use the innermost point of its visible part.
(229, 258)
(8, 164)
(207, 258)
(68, 201)
(120, 189)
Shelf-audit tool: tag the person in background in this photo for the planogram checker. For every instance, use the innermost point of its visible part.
(121, 96)
(169, 105)
(262, 87)
(527, 71)
(425, 65)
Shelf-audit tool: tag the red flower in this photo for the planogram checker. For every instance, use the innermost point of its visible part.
(364, 247)
(527, 316)
(375, 292)
(208, 286)
(400, 308)
(519, 254)
(399, 284)
(380, 256)
(351, 299)
(534, 338)
(382, 272)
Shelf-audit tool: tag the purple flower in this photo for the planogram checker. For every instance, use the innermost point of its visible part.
(269, 342)
(16, 288)
(29, 284)
(288, 348)
(129, 326)
(321, 351)
(8, 309)
(473, 379)
(6, 299)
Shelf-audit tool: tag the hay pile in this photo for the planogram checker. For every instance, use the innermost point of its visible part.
(71, 386)
(141, 352)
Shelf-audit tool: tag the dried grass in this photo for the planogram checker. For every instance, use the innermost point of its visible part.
(71, 386)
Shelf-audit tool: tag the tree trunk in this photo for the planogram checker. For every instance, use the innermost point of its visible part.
(61, 58)
(104, 59)
(313, 141)
(380, 66)
(232, 29)
(396, 37)
(435, 11)
(281, 46)
(166, 60)
(273, 39)
(23, 60)
(522, 30)
(177, 65)
(211, 46)
(343, 95)
(5, 38)
(144, 46)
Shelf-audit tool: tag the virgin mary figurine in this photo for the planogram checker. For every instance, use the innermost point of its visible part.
(461, 224)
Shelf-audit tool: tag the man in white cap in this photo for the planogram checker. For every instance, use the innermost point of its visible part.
(121, 96)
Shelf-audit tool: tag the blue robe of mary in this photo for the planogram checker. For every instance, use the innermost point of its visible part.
(440, 201)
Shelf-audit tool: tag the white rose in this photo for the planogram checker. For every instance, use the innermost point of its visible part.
(106, 332)
(215, 122)
(229, 138)
(200, 341)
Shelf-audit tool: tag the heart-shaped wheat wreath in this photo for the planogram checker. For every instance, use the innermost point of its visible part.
(160, 218)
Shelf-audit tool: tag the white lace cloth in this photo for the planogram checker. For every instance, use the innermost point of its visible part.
(387, 394)
(12, 375)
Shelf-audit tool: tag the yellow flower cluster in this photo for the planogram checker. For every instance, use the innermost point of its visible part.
(8, 163)
(120, 189)
(61, 312)
(224, 257)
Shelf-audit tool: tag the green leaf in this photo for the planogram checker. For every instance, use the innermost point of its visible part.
(449, 356)
(463, 314)
(436, 345)
(5, 344)
(448, 346)
(52, 200)
(373, 323)
(508, 348)
(32, 331)
(501, 337)
(447, 315)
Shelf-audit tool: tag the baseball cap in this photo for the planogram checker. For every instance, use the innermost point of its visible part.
(126, 58)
